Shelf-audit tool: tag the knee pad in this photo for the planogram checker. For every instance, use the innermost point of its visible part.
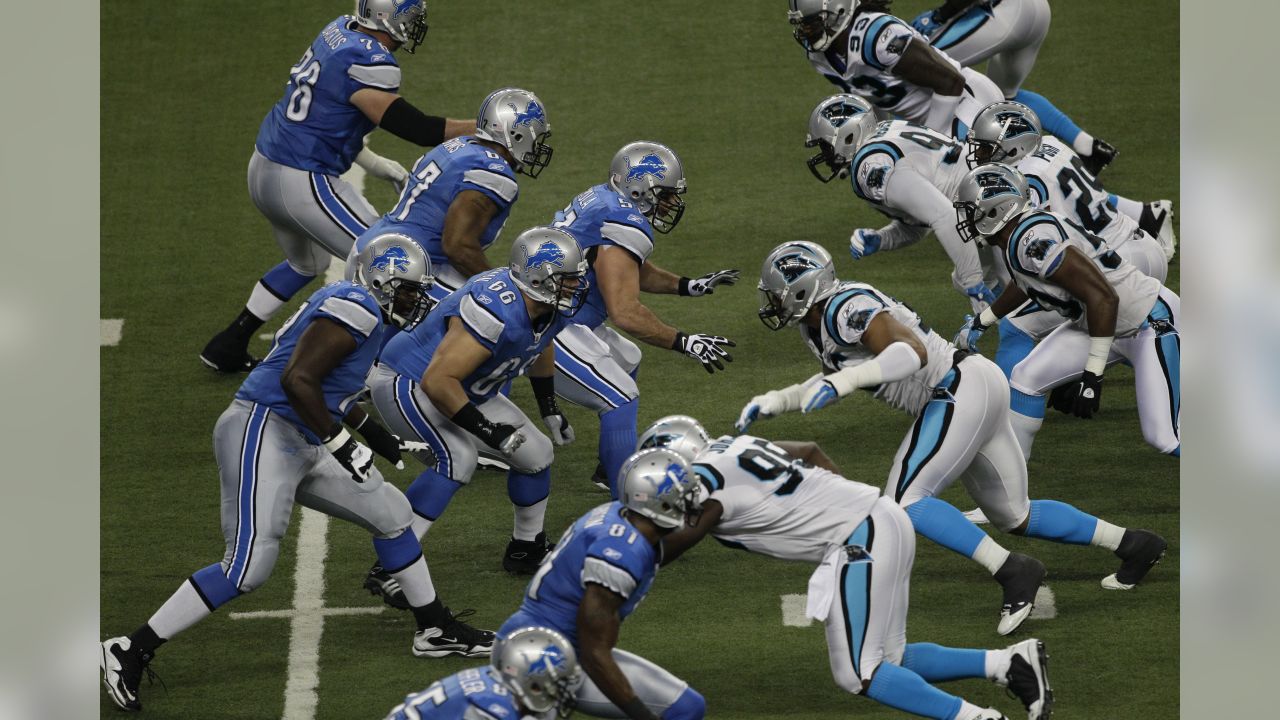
(214, 586)
(526, 489)
(689, 706)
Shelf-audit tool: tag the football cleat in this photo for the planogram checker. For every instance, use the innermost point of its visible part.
(1157, 221)
(122, 672)
(524, 556)
(1028, 678)
(380, 583)
(227, 354)
(1020, 576)
(453, 637)
(487, 461)
(1139, 550)
(990, 714)
(1104, 153)
(977, 517)
(600, 478)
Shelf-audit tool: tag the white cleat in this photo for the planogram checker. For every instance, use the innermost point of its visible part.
(977, 517)
(990, 714)
(1168, 241)
(1028, 678)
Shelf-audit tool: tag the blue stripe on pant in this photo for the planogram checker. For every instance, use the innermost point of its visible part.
(246, 501)
(586, 376)
(962, 28)
(418, 421)
(1169, 351)
(334, 207)
(855, 593)
(927, 435)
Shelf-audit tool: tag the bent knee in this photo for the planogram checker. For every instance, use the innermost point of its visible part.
(535, 455)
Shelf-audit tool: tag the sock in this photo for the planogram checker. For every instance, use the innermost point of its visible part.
(689, 706)
(968, 711)
(990, 555)
(430, 493)
(1054, 121)
(144, 640)
(415, 581)
(433, 614)
(1060, 522)
(904, 690)
(1014, 346)
(529, 521)
(996, 665)
(197, 597)
(1132, 208)
(1083, 144)
(942, 523)
(1026, 417)
(617, 441)
(936, 663)
(1107, 536)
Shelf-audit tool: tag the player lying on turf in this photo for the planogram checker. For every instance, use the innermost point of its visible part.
(764, 498)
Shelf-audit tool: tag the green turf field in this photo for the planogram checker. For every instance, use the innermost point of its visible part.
(184, 87)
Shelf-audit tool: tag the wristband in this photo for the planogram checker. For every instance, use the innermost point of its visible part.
(337, 440)
(678, 345)
(1099, 351)
(408, 122)
(987, 318)
(684, 286)
(363, 420)
(544, 391)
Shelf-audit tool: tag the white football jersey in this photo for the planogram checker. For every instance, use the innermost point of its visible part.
(837, 342)
(937, 157)
(1036, 250)
(777, 505)
(876, 43)
(1059, 183)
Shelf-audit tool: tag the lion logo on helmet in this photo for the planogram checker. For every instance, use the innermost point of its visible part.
(394, 259)
(550, 662)
(546, 253)
(532, 113)
(650, 164)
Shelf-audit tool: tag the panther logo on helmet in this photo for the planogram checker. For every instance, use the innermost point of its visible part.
(532, 113)
(1014, 124)
(841, 112)
(547, 252)
(795, 265)
(994, 184)
(395, 259)
(650, 164)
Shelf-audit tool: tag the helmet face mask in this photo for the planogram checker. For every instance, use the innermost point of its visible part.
(1003, 132)
(517, 120)
(404, 20)
(987, 199)
(837, 126)
(397, 272)
(659, 485)
(794, 276)
(651, 177)
(816, 23)
(548, 266)
(540, 668)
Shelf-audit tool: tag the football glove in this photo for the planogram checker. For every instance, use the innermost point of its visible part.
(383, 168)
(980, 295)
(706, 284)
(927, 23)
(350, 454)
(760, 406)
(970, 333)
(706, 349)
(381, 441)
(544, 391)
(863, 242)
(1081, 397)
(817, 396)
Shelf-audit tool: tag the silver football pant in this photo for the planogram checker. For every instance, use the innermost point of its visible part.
(1010, 37)
(593, 367)
(654, 685)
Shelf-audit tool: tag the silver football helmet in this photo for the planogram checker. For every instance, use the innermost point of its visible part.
(546, 263)
(404, 20)
(679, 433)
(659, 485)
(397, 272)
(540, 668)
(651, 177)
(816, 23)
(517, 120)
(1004, 132)
(837, 126)
(795, 275)
(987, 199)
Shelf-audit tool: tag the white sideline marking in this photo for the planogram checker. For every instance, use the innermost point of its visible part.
(1045, 608)
(793, 610)
(327, 612)
(109, 331)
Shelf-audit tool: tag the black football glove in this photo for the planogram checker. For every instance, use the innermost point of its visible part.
(350, 454)
(382, 441)
(1085, 395)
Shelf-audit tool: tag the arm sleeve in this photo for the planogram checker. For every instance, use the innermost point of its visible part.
(494, 180)
(481, 322)
(1039, 250)
(899, 234)
(910, 192)
(1039, 193)
(607, 565)
(626, 233)
(354, 311)
(884, 42)
(871, 176)
(848, 315)
(378, 76)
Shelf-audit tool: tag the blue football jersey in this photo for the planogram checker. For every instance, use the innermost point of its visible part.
(314, 126)
(472, 694)
(602, 547)
(602, 216)
(459, 164)
(345, 303)
(491, 308)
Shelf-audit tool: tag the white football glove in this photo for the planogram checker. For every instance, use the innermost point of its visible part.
(383, 168)
(706, 284)
(351, 455)
(706, 349)
(559, 429)
(761, 406)
(863, 242)
(818, 395)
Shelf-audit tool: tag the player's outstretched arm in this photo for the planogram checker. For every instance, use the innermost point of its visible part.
(899, 353)
(399, 117)
(676, 543)
(975, 325)
(810, 452)
(457, 356)
(469, 214)
(913, 194)
(619, 278)
(598, 623)
(542, 379)
(654, 279)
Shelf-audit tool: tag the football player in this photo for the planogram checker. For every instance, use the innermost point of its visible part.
(1141, 233)
(614, 223)
(765, 498)
(960, 401)
(346, 84)
(533, 674)
(1114, 312)
(463, 191)
(439, 383)
(864, 50)
(283, 440)
(1008, 33)
(601, 569)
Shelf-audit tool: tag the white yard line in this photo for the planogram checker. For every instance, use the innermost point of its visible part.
(1045, 608)
(109, 331)
(793, 610)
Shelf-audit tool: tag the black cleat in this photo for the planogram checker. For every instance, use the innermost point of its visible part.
(453, 637)
(1103, 155)
(600, 478)
(380, 583)
(1028, 678)
(228, 354)
(524, 556)
(1139, 550)
(1020, 576)
(122, 669)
